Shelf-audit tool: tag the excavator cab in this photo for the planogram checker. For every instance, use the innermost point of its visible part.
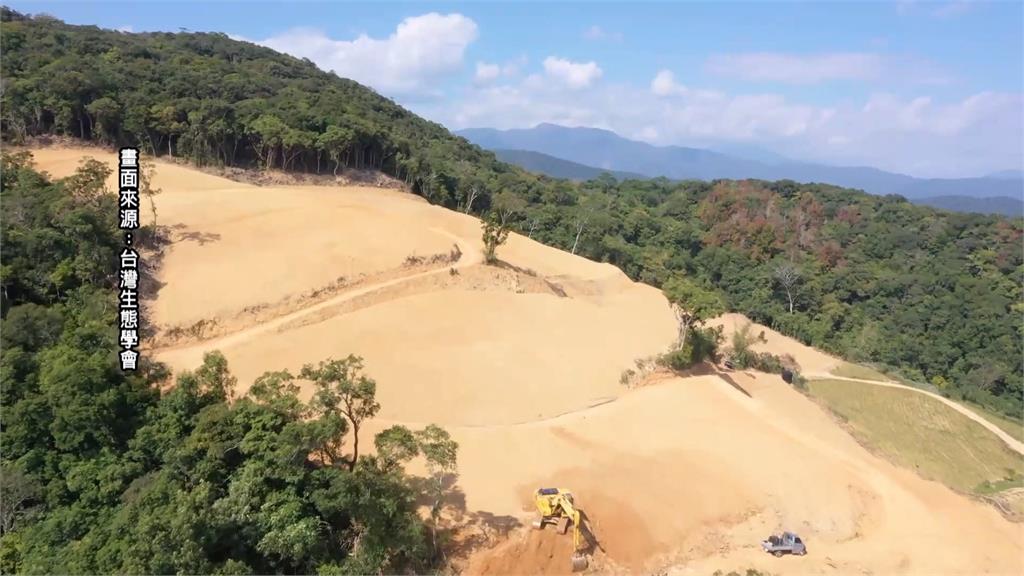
(556, 506)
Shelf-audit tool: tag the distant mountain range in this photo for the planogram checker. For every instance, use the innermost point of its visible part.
(557, 167)
(996, 205)
(1007, 175)
(582, 153)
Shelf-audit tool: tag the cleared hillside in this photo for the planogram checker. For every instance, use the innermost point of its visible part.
(521, 365)
(269, 246)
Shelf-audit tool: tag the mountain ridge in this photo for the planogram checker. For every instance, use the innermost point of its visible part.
(548, 165)
(545, 164)
(606, 150)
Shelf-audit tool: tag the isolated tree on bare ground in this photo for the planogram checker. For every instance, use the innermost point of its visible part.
(691, 304)
(495, 234)
(342, 389)
(788, 277)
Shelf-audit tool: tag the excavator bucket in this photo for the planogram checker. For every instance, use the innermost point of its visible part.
(579, 562)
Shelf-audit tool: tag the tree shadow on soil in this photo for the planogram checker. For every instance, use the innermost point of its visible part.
(454, 498)
(154, 241)
(710, 369)
(479, 530)
(463, 531)
(201, 238)
(725, 375)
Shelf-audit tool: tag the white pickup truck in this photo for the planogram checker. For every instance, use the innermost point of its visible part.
(787, 543)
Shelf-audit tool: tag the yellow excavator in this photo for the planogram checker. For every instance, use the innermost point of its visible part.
(556, 506)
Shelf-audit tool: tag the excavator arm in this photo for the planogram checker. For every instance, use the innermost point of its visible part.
(577, 532)
(579, 557)
(556, 503)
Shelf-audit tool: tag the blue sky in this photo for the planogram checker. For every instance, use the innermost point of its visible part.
(930, 89)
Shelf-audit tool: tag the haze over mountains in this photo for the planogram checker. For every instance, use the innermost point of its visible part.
(592, 150)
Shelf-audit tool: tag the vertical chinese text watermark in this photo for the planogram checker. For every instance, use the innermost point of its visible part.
(128, 278)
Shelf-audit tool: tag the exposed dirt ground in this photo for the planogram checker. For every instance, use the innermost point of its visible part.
(521, 364)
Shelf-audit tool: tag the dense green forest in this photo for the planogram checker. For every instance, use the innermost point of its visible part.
(875, 279)
(103, 474)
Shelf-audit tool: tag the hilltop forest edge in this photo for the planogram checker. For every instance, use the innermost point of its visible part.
(934, 297)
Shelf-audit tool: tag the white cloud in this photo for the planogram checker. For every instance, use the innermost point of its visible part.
(816, 68)
(413, 59)
(125, 29)
(923, 116)
(921, 135)
(664, 84)
(595, 32)
(647, 133)
(968, 136)
(486, 72)
(797, 68)
(573, 74)
(515, 66)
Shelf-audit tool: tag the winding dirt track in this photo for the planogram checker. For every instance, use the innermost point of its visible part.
(684, 476)
(1014, 444)
(192, 354)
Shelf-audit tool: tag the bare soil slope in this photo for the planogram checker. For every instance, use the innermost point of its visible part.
(522, 363)
(811, 360)
(691, 473)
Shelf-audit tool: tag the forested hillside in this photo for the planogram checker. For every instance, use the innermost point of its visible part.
(875, 279)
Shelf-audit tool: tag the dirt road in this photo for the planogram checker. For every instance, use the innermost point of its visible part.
(192, 354)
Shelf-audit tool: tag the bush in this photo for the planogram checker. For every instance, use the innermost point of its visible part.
(743, 357)
(644, 366)
(702, 344)
(766, 362)
(627, 376)
(494, 235)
